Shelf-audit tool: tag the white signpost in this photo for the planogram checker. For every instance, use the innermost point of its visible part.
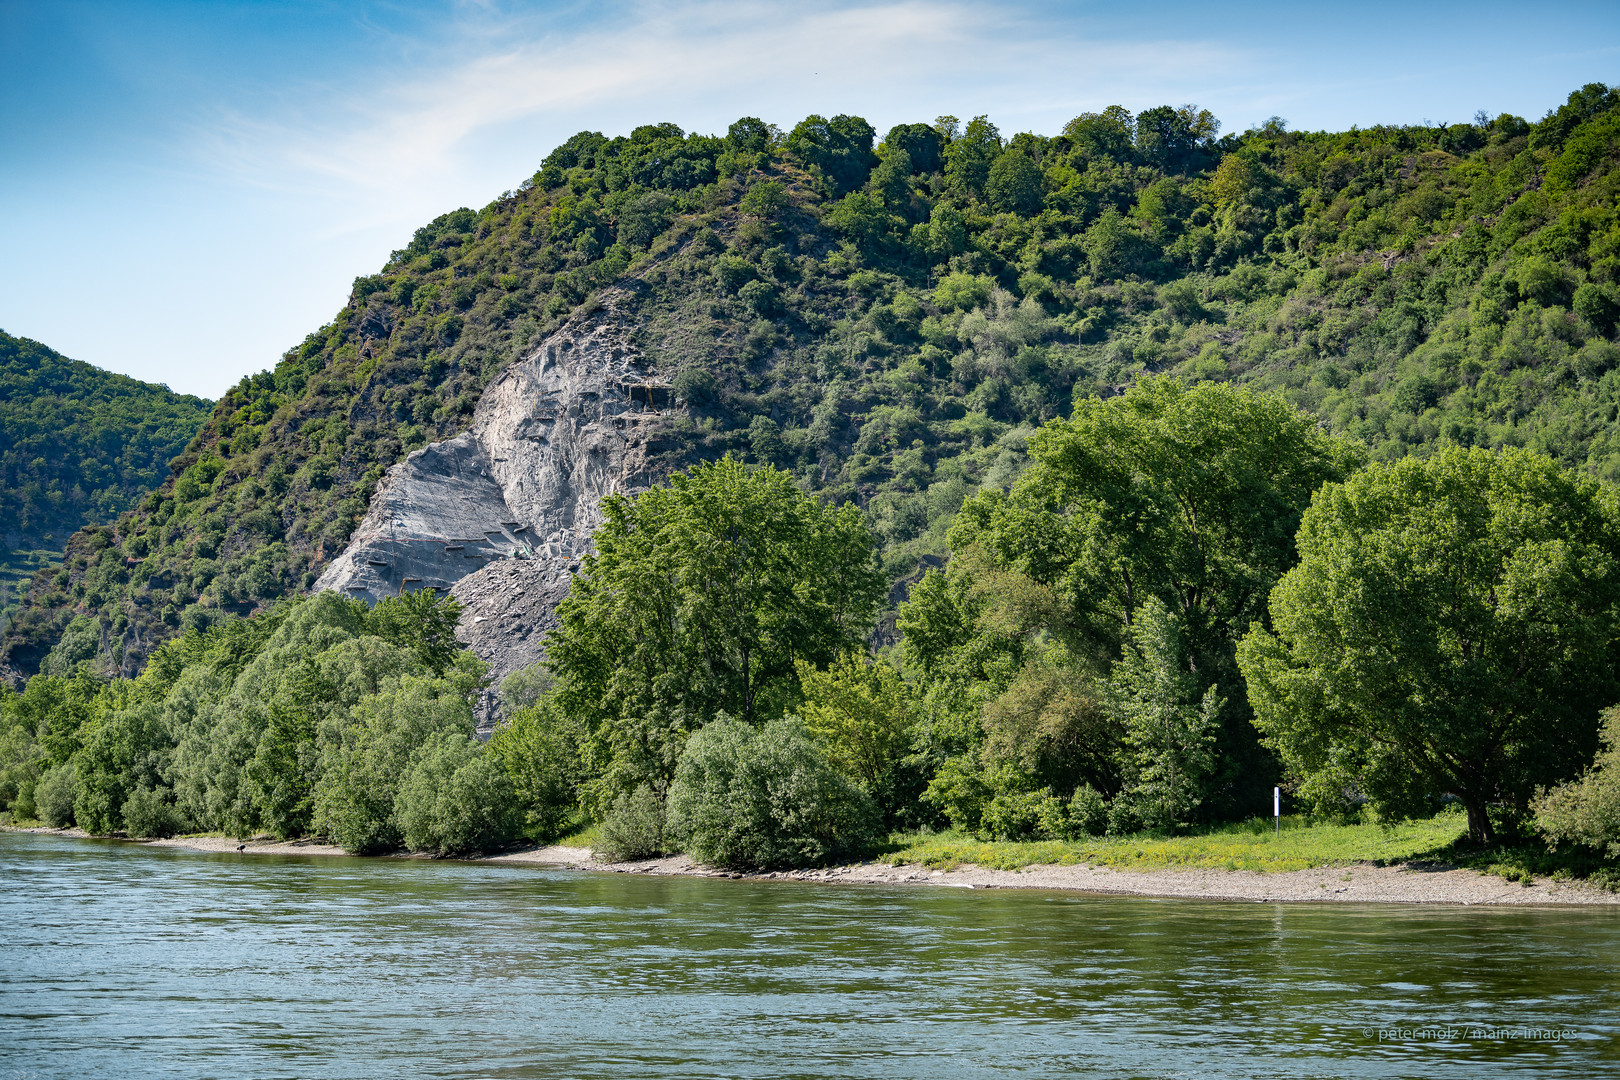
(1276, 809)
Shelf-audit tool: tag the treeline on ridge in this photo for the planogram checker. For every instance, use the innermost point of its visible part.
(890, 321)
(78, 446)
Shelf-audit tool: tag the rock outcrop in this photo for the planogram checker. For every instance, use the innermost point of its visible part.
(502, 513)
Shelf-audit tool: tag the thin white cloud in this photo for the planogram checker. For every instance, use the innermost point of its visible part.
(511, 73)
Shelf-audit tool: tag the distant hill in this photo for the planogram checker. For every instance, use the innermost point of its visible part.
(78, 446)
(890, 320)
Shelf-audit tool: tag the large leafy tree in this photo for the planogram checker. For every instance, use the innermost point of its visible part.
(1182, 496)
(1186, 494)
(1453, 627)
(699, 599)
(839, 149)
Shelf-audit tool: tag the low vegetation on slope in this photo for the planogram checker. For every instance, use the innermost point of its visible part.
(78, 446)
(888, 320)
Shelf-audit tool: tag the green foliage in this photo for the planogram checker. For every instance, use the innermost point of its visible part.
(1169, 496)
(54, 796)
(299, 719)
(839, 150)
(356, 799)
(149, 813)
(761, 799)
(540, 748)
(1587, 810)
(700, 598)
(1170, 728)
(455, 799)
(79, 642)
(861, 712)
(525, 687)
(1408, 286)
(79, 445)
(1053, 726)
(1450, 629)
(634, 827)
(888, 330)
(421, 621)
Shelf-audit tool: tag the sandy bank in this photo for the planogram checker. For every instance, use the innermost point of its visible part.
(220, 844)
(1362, 883)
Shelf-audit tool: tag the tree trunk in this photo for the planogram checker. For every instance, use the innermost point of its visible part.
(1479, 823)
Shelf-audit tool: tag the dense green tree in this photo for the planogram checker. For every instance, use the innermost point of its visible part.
(840, 150)
(455, 799)
(1185, 497)
(1107, 135)
(969, 156)
(922, 145)
(700, 598)
(1176, 140)
(539, 746)
(864, 715)
(1170, 721)
(1452, 628)
(366, 759)
(1014, 184)
(766, 798)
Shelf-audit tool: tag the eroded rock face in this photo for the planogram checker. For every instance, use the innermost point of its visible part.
(510, 504)
(506, 609)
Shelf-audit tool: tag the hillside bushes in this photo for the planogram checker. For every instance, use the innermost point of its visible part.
(905, 311)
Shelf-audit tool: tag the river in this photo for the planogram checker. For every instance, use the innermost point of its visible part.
(123, 960)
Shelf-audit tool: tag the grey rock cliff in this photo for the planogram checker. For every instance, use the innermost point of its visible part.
(507, 508)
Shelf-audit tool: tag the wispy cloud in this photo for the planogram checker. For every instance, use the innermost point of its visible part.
(500, 72)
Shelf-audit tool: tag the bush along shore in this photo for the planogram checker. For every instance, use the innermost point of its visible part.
(1194, 593)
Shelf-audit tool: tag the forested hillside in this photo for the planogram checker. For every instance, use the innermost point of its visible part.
(888, 320)
(78, 446)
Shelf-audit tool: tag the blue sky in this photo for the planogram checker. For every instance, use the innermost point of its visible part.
(188, 188)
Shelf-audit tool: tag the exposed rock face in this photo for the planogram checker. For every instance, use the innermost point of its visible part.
(509, 506)
(506, 609)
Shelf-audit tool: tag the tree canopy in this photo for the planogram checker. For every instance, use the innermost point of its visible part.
(699, 599)
(1453, 628)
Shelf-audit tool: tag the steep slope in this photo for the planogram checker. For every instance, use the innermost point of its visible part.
(890, 323)
(78, 445)
(501, 513)
(553, 434)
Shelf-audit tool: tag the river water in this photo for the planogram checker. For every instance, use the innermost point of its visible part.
(123, 960)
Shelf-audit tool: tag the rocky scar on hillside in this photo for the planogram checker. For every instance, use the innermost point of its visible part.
(500, 514)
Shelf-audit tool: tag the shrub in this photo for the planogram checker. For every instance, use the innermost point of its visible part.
(538, 748)
(1088, 812)
(455, 799)
(634, 828)
(1026, 815)
(755, 800)
(1124, 816)
(54, 794)
(148, 813)
(1587, 810)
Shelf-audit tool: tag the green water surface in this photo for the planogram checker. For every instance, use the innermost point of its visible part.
(123, 960)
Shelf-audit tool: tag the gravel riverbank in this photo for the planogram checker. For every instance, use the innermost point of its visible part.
(1361, 883)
